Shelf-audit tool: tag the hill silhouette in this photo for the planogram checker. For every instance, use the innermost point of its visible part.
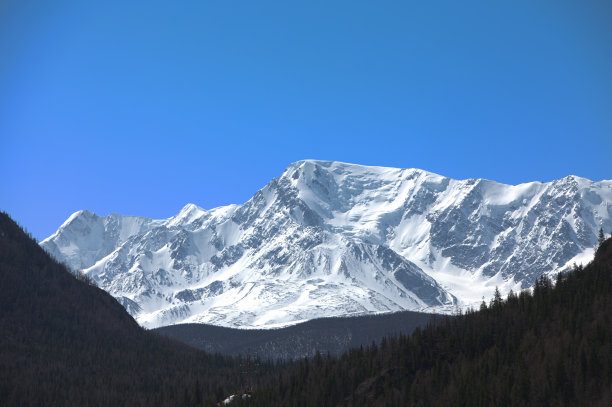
(66, 342)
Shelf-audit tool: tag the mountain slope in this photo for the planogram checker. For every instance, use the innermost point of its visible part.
(64, 342)
(328, 239)
(326, 335)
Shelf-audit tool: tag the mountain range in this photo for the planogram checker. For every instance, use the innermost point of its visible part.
(335, 239)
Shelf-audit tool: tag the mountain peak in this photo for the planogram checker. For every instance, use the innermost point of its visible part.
(190, 210)
(81, 214)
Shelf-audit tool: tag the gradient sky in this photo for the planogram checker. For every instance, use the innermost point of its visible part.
(141, 107)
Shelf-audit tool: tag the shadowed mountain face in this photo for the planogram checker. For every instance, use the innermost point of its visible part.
(332, 239)
(332, 336)
(65, 342)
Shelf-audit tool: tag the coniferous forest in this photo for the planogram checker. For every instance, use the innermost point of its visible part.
(552, 347)
(63, 341)
(334, 335)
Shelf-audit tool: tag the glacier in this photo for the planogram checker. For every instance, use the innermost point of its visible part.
(336, 239)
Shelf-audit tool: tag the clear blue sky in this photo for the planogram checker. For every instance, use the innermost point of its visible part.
(141, 107)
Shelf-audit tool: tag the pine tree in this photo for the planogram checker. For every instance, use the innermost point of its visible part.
(497, 299)
(483, 305)
(600, 238)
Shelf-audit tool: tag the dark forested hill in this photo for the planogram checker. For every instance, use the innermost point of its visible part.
(549, 347)
(65, 342)
(325, 335)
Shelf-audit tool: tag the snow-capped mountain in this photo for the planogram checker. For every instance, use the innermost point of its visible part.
(329, 238)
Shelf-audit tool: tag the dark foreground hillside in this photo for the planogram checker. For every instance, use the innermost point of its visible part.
(552, 347)
(326, 335)
(64, 342)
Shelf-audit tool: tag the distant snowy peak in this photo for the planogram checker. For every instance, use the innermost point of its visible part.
(329, 238)
(86, 237)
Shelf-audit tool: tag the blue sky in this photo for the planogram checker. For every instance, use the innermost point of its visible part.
(141, 108)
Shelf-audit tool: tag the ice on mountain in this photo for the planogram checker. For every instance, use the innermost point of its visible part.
(328, 238)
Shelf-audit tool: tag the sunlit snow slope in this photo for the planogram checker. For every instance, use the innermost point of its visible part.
(329, 238)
